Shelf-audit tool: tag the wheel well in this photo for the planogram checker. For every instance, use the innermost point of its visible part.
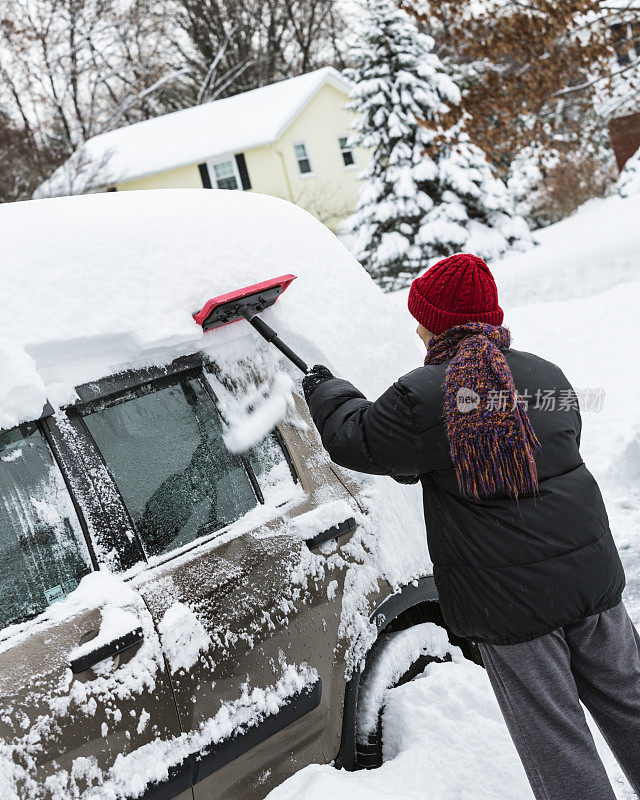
(425, 610)
(429, 611)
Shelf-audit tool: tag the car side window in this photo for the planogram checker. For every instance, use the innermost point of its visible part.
(271, 466)
(43, 554)
(164, 449)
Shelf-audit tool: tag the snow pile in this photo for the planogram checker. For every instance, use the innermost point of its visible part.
(400, 651)
(22, 392)
(189, 136)
(112, 280)
(465, 728)
(183, 637)
(590, 251)
(444, 739)
(629, 179)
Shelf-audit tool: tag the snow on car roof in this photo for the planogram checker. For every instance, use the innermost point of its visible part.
(94, 284)
(192, 135)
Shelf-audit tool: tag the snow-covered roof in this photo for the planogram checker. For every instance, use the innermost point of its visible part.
(190, 136)
(95, 283)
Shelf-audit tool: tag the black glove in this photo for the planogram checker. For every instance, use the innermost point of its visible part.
(319, 374)
(405, 478)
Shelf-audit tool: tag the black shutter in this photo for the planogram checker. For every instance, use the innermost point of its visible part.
(242, 169)
(204, 176)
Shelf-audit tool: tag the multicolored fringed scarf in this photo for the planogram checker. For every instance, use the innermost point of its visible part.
(490, 436)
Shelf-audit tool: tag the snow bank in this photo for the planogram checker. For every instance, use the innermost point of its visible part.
(590, 251)
(444, 740)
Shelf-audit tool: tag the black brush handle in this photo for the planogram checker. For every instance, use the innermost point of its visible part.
(272, 337)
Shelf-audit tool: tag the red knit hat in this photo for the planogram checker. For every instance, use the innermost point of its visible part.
(457, 289)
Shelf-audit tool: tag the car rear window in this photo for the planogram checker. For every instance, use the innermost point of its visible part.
(165, 451)
(43, 554)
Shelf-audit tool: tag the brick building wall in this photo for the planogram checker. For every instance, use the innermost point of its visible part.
(624, 133)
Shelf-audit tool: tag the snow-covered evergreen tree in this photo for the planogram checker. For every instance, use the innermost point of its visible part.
(428, 191)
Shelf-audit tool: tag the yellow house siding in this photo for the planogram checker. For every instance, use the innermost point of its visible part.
(180, 178)
(330, 192)
(266, 172)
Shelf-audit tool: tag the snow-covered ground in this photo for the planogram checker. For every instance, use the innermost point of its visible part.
(573, 299)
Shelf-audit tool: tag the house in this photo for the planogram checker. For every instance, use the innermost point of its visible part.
(288, 139)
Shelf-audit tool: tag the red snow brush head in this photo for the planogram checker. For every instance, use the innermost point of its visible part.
(241, 303)
(457, 289)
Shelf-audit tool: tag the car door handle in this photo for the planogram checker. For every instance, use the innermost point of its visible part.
(107, 650)
(347, 526)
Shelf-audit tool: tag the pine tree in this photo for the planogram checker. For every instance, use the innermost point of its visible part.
(427, 191)
(472, 209)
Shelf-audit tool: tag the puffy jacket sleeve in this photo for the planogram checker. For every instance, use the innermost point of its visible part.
(378, 437)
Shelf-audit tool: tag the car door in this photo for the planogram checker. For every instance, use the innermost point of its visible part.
(246, 603)
(83, 684)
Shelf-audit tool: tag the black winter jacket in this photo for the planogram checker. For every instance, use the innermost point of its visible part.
(506, 572)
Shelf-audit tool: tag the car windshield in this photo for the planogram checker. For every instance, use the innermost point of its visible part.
(43, 554)
(165, 451)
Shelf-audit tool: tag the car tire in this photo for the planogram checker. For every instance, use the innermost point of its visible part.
(391, 664)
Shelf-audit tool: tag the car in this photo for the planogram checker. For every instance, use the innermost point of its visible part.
(193, 595)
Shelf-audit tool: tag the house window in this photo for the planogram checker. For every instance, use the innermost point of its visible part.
(225, 174)
(302, 157)
(348, 159)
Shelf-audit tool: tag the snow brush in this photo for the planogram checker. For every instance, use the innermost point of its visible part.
(246, 304)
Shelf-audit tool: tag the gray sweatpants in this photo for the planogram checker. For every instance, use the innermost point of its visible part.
(539, 684)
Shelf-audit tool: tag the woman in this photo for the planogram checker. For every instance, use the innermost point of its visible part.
(524, 561)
